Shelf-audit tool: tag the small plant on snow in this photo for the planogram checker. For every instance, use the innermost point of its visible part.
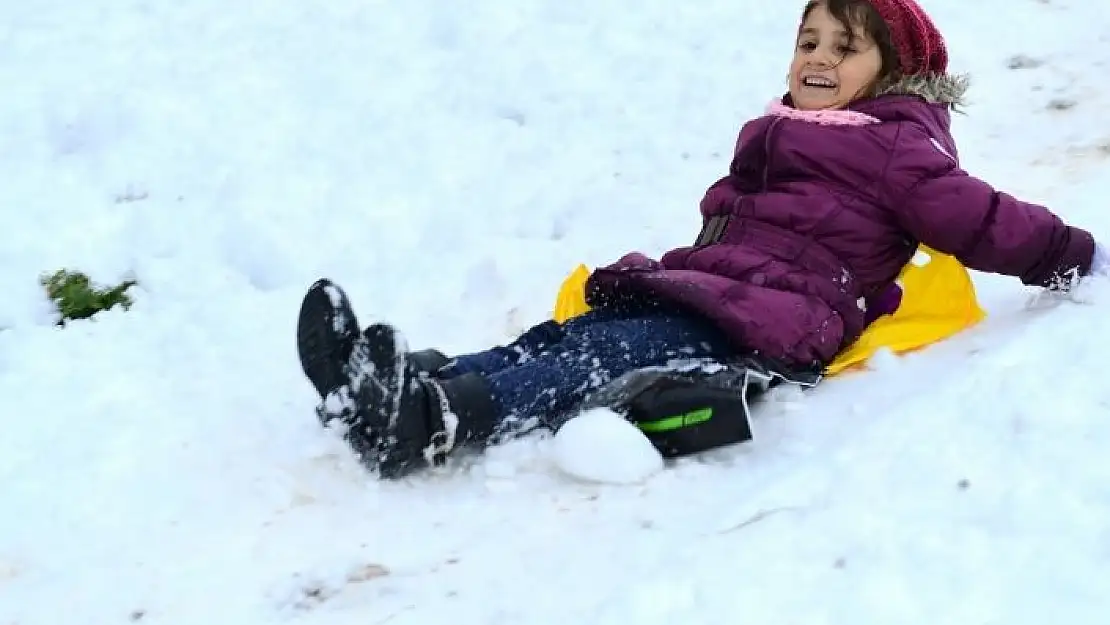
(76, 297)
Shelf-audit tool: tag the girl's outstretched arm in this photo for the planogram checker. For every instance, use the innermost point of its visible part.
(942, 206)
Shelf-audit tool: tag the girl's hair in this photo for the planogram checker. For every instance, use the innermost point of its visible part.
(862, 14)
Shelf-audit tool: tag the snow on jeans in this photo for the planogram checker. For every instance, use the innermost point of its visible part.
(551, 368)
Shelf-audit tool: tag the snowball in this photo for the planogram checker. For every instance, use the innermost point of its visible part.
(601, 446)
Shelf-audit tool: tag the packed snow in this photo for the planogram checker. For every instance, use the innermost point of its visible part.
(601, 446)
(449, 163)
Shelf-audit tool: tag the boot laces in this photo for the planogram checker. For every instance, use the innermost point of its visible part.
(441, 441)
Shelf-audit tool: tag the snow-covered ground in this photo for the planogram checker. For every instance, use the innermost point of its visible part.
(448, 163)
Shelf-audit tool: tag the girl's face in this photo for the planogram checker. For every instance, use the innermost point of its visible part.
(831, 67)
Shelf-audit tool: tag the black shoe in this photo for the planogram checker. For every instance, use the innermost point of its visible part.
(417, 420)
(326, 331)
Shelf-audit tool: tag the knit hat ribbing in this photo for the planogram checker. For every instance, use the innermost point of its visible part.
(920, 46)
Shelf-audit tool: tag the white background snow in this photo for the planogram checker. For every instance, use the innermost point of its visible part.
(448, 163)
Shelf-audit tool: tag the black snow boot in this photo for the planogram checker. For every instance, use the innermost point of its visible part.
(327, 336)
(326, 332)
(417, 419)
(327, 329)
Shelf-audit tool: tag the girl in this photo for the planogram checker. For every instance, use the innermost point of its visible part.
(827, 198)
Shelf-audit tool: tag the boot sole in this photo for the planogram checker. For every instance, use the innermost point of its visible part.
(387, 358)
(326, 331)
(387, 354)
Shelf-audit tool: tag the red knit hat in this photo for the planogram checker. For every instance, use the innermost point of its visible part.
(920, 45)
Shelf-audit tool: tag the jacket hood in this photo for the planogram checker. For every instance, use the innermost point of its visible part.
(924, 100)
(947, 89)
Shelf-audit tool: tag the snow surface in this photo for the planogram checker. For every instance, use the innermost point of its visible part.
(449, 163)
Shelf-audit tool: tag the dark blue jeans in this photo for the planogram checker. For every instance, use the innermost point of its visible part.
(552, 367)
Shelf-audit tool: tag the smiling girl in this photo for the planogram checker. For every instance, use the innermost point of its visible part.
(827, 197)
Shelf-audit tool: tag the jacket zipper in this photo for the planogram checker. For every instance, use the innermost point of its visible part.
(767, 141)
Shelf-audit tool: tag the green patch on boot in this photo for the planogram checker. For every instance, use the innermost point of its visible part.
(76, 297)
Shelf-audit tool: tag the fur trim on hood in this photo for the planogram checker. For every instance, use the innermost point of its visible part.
(947, 89)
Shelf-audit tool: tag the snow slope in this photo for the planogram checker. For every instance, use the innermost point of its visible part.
(448, 163)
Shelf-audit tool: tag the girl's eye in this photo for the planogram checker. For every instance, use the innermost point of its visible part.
(808, 46)
(846, 50)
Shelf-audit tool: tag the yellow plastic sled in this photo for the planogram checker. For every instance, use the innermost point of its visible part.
(938, 301)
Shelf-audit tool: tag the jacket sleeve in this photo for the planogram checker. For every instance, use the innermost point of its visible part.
(942, 206)
(718, 198)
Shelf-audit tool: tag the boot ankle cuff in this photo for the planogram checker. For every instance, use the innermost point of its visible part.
(428, 360)
(464, 410)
